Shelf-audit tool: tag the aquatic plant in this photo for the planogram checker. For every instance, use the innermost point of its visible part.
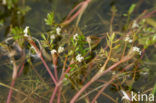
(75, 60)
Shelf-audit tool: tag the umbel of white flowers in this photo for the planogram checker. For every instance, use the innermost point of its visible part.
(52, 37)
(53, 51)
(136, 49)
(127, 39)
(79, 58)
(58, 30)
(60, 50)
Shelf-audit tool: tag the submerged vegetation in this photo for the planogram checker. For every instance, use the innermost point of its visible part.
(66, 65)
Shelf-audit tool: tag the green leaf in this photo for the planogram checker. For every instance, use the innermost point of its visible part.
(72, 69)
(112, 37)
(116, 47)
(131, 9)
(50, 19)
(43, 36)
(17, 33)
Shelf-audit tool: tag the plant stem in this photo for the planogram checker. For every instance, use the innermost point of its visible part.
(32, 43)
(59, 95)
(53, 94)
(10, 91)
(48, 69)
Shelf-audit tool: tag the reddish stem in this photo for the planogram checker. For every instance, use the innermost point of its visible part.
(12, 85)
(55, 58)
(74, 9)
(21, 70)
(53, 94)
(10, 91)
(82, 6)
(43, 61)
(149, 14)
(59, 95)
(55, 72)
(48, 69)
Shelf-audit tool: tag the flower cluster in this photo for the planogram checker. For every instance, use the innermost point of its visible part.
(60, 50)
(127, 39)
(75, 37)
(136, 49)
(52, 37)
(58, 30)
(53, 51)
(79, 58)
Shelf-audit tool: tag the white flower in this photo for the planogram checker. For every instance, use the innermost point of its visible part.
(130, 41)
(53, 51)
(58, 30)
(127, 39)
(125, 95)
(26, 31)
(52, 37)
(79, 58)
(75, 37)
(136, 49)
(135, 25)
(60, 49)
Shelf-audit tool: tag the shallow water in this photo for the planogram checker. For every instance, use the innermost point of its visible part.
(94, 21)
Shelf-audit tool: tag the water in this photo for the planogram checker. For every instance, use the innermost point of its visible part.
(94, 21)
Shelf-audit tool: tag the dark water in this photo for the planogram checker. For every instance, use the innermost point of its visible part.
(95, 20)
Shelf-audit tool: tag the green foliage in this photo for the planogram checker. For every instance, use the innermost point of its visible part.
(147, 37)
(17, 33)
(131, 9)
(11, 3)
(112, 42)
(50, 19)
(24, 10)
(80, 45)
